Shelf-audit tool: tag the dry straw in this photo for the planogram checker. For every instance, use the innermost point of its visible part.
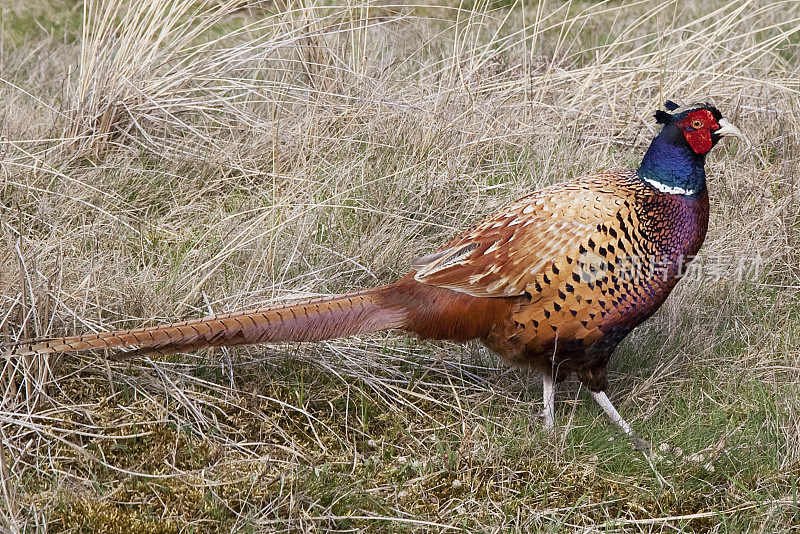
(183, 157)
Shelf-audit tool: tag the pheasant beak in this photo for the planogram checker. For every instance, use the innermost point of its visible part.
(726, 128)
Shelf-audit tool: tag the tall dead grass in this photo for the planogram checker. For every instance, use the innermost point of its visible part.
(193, 156)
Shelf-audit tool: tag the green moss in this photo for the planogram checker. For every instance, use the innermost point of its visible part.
(96, 517)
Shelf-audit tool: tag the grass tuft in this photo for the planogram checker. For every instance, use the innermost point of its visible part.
(161, 160)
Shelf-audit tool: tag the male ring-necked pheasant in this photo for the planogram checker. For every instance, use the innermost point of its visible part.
(553, 281)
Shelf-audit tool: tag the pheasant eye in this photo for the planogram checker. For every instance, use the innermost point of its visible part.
(697, 124)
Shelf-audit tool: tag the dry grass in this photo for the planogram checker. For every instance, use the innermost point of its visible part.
(172, 158)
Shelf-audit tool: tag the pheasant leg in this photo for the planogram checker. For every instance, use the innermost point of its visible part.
(602, 399)
(549, 401)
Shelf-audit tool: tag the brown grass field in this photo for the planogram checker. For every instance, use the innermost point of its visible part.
(167, 159)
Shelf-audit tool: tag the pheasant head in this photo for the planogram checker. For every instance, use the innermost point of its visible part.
(675, 161)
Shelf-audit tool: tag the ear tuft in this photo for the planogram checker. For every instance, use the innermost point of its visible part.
(662, 117)
(670, 105)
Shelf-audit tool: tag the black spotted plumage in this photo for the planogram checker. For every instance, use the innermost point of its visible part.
(584, 298)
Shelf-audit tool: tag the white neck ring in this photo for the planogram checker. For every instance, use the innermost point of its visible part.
(669, 189)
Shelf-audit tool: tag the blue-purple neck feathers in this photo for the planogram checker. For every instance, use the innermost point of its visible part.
(672, 162)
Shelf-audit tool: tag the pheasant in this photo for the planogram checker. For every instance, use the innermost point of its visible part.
(554, 281)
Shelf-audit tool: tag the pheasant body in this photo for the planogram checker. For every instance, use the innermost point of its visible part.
(629, 244)
(554, 281)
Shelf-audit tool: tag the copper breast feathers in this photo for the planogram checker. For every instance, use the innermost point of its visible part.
(591, 254)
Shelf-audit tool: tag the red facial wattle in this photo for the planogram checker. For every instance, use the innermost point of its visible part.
(699, 138)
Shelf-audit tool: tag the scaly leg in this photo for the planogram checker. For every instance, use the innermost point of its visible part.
(549, 401)
(602, 399)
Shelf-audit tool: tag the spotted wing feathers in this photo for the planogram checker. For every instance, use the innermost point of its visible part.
(513, 252)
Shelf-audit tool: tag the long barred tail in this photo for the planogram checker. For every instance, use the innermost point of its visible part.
(308, 320)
